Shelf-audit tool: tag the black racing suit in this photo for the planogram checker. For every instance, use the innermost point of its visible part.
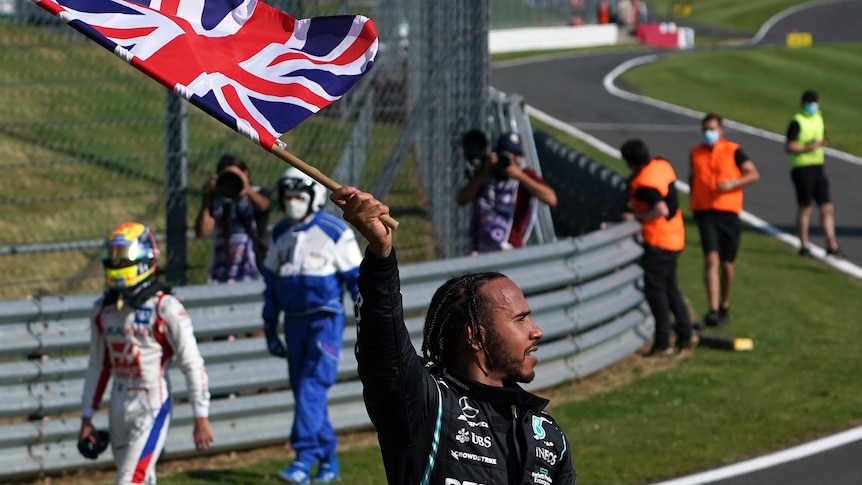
(445, 430)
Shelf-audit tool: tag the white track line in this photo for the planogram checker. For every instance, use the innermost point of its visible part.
(772, 460)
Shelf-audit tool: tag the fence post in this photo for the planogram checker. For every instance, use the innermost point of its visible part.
(176, 188)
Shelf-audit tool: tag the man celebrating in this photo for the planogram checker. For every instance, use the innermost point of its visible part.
(719, 171)
(458, 415)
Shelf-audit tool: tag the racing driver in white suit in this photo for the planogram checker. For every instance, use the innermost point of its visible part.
(138, 328)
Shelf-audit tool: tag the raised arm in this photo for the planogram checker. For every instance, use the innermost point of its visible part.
(468, 192)
(396, 388)
(259, 199)
(534, 185)
(204, 222)
(363, 212)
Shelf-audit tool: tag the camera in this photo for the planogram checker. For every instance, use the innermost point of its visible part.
(504, 159)
(474, 144)
(229, 184)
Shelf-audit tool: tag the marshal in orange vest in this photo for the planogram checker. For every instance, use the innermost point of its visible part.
(662, 232)
(708, 167)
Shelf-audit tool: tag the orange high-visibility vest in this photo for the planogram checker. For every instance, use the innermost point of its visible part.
(708, 167)
(662, 232)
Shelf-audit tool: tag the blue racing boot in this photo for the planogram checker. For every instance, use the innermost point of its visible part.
(327, 473)
(296, 473)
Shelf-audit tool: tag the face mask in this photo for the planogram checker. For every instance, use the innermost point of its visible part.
(811, 108)
(711, 136)
(296, 208)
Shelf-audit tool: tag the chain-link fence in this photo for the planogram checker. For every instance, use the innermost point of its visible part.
(85, 145)
(87, 142)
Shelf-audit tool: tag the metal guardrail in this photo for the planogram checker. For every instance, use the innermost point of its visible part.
(584, 292)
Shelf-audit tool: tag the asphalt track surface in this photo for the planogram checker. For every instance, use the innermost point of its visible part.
(579, 91)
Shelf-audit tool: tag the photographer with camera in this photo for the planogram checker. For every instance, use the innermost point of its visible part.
(505, 194)
(236, 213)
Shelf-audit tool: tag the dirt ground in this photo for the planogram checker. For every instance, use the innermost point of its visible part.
(627, 370)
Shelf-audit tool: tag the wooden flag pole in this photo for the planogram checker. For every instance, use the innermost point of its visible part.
(317, 175)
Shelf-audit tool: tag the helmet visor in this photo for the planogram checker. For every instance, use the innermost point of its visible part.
(125, 253)
(122, 278)
(130, 276)
(296, 184)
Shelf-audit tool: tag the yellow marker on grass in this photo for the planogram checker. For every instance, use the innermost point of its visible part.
(797, 40)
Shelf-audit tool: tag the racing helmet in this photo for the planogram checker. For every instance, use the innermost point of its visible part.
(294, 180)
(129, 256)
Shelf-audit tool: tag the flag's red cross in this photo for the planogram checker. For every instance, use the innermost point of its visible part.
(242, 73)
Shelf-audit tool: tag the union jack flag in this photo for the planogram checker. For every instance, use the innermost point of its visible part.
(252, 67)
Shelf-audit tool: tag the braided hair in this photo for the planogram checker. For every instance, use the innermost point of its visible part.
(455, 304)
